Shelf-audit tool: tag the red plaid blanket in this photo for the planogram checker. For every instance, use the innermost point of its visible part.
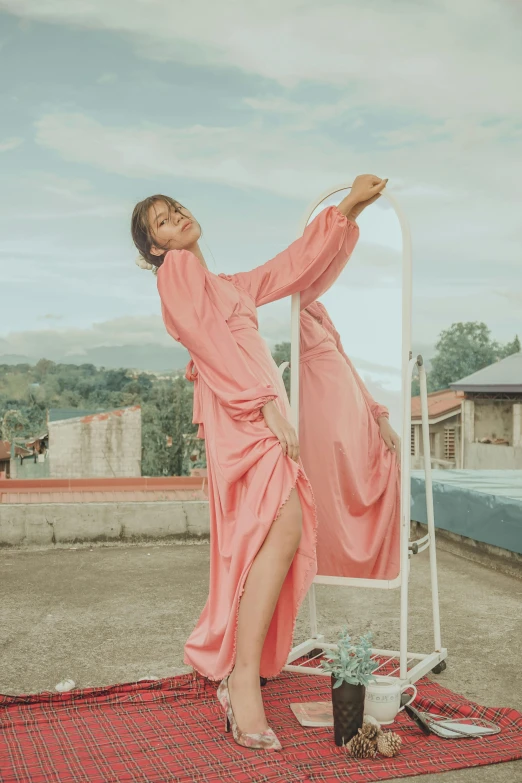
(172, 730)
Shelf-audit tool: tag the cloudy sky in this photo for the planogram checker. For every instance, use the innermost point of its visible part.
(246, 112)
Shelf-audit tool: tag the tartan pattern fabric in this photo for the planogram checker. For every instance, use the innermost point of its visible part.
(172, 730)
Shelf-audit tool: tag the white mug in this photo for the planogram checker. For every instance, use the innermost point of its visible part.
(383, 699)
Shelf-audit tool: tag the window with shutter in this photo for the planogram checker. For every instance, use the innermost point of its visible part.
(412, 440)
(449, 443)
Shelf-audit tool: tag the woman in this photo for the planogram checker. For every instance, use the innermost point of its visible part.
(350, 454)
(262, 513)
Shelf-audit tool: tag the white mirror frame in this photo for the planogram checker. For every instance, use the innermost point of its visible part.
(422, 662)
(405, 375)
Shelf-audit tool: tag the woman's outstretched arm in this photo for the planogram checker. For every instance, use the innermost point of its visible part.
(352, 209)
(327, 243)
(319, 255)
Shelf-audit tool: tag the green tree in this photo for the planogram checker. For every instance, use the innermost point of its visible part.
(415, 387)
(14, 424)
(180, 422)
(43, 367)
(508, 348)
(165, 419)
(463, 349)
(154, 446)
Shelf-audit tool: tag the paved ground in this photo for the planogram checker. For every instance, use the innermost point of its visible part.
(117, 613)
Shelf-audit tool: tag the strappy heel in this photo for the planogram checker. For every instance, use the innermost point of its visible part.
(266, 740)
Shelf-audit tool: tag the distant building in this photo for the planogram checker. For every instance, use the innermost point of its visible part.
(492, 416)
(90, 444)
(8, 467)
(444, 416)
(477, 423)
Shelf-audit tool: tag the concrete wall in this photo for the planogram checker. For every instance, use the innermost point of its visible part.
(104, 445)
(50, 524)
(29, 469)
(487, 456)
(494, 419)
(517, 425)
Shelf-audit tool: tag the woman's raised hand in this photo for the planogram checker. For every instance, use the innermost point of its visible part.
(366, 189)
(282, 429)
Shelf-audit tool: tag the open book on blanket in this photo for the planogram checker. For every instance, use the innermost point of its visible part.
(314, 713)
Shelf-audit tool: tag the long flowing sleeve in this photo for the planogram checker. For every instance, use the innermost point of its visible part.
(194, 316)
(377, 410)
(310, 264)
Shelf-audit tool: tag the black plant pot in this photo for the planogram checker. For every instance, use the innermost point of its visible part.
(348, 710)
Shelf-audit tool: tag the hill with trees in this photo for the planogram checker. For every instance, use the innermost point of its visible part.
(27, 392)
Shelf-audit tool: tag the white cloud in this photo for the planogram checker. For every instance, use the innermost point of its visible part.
(107, 78)
(130, 341)
(131, 330)
(440, 58)
(450, 190)
(456, 167)
(248, 156)
(44, 195)
(10, 144)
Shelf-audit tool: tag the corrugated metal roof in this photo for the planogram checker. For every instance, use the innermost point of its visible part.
(5, 450)
(63, 414)
(60, 414)
(502, 376)
(439, 403)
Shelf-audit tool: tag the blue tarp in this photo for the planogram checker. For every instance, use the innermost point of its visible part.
(485, 505)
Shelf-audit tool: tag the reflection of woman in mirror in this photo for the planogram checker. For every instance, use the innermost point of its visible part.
(349, 451)
(262, 513)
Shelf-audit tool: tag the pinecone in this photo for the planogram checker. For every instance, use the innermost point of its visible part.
(389, 744)
(372, 720)
(360, 747)
(370, 730)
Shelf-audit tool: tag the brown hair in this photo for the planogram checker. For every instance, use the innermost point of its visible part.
(140, 226)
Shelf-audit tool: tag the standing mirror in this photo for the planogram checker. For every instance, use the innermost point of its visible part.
(365, 303)
(351, 357)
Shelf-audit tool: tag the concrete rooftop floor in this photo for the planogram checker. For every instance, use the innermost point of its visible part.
(116, 613)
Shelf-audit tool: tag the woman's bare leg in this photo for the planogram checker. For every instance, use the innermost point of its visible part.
(256, 608)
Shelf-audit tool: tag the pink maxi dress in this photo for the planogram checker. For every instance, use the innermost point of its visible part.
(355, 478)
(249, 477)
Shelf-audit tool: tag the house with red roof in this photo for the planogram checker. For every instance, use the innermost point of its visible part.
(476, 424)
(444, 415)
(20, 453)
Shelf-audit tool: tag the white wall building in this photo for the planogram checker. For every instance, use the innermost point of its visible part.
(86, 444)
(492, 416)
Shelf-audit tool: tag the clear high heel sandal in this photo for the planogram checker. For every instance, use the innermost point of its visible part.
(266, 740)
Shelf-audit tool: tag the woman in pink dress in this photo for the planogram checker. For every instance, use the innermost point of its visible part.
(350, 454)
(263, 523)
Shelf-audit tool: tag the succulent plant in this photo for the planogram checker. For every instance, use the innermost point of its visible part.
(351, 662)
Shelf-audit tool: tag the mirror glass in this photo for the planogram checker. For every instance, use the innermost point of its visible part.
(365, 303)
(354, 476)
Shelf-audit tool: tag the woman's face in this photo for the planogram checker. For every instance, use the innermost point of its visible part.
(172, 229)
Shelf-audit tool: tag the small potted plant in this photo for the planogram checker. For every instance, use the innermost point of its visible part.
(350, 667)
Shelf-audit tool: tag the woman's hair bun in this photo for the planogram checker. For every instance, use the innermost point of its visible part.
(144, 264)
